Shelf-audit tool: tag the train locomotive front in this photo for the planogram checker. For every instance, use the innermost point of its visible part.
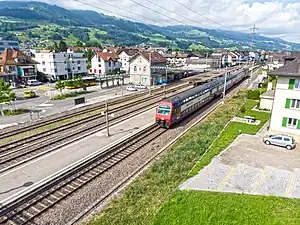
(164, 114)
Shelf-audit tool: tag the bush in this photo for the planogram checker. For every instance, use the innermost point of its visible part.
(243, 109)
(68, 95)
(253, 94)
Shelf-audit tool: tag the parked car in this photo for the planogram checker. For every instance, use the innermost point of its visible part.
(280, 140)
(33, 82)
(139, 86)
(131, 88)
(29, 94)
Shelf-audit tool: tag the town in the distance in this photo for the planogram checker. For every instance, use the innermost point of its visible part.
(140, 133)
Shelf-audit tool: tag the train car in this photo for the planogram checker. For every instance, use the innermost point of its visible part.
(171, 111)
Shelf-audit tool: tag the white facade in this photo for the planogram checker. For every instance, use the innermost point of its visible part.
(286, 108)
(124, 60)
(103, 66)
(8, 44)
(140, 70)
(61, 65)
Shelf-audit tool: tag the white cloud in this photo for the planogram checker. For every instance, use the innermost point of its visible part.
(273, 18)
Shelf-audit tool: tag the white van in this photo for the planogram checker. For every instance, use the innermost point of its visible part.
(33, 82)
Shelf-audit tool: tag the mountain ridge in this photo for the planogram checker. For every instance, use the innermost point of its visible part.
(118, 31)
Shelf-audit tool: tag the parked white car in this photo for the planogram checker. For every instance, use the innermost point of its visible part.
(33, 82)
(131, 88)
(139, 86)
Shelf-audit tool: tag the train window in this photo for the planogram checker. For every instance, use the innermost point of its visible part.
(164, 110)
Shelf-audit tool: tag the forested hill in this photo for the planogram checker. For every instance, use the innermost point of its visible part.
(26, 20)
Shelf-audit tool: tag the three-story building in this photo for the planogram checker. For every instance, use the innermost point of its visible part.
(105, 62)
(146, 67)
(286, 107)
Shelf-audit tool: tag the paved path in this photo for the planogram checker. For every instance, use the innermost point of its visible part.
(12, 181)
(249, 166)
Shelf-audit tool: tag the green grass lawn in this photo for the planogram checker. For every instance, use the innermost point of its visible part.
(197, 207)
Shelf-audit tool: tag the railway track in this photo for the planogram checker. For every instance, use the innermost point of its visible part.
(19, 152)
(91, 109)
(25, 209)
(45, 197)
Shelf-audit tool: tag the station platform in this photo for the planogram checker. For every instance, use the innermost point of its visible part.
(16, 180)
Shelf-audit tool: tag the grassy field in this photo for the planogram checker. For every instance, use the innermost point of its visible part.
(197, 207)
(144, 197)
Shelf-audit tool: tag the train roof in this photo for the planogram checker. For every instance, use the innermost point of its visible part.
(210, 85)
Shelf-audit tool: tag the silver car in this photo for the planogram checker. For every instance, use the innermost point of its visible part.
(280, 140)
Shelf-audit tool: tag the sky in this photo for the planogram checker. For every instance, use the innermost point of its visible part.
(280, 18)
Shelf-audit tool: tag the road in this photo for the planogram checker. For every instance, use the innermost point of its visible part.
(48, 107)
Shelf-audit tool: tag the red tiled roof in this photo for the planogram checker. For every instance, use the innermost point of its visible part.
(9, 55)
(106, 56)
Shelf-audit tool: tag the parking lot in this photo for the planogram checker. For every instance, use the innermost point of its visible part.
(249, 166)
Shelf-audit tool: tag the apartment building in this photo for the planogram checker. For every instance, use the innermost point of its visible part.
(61, 65)
(286, 107)
(105, 62)
(146, 67)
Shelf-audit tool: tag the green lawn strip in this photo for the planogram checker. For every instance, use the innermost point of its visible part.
(198, 207)
(13, 112)
(144, 197)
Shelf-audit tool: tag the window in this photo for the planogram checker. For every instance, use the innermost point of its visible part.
(164, 110)
(292, 123)
(66, 69)
(44, 69)
(109, 63)
(297, 84)
(53, 56)
(43, 63)
(73, 68)
(295, 104)
(140, 69)
(78, 62)
(65, 62)
(277, 138)
(55, 70)
(78, 68)
(286, 139)
(99, 65)
(140, 60)
(1, 43)
(135, 69)
(145, 69)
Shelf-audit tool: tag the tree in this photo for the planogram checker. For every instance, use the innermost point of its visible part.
(59, 86)
(89, 55)
(6, 94)
(78, 82)
(79, 44)
(62, 46)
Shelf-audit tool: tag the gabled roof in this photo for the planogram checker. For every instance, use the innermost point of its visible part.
(155, 57)
(9, 55)
(290, 68)
(129, 51)
(106, 56)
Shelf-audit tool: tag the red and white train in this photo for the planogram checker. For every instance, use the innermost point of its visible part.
(171, 111)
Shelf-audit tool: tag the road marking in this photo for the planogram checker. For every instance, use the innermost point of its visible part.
(226, 179)
(45, 105)
(291, 185)
(74, 143)
(262, 176)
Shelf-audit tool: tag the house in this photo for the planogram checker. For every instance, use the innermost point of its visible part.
(111, 49)
(276, 60)
(61, 65)
(266, 100)
(285, 113)
(16, 67)
(146, 67)
(105, 62)
(83, 49)
(124, 56)
(4, 44)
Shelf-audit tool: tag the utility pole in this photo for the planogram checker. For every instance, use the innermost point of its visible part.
(253, 29)
(150, 72)
(106, 116)
(166, 81)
